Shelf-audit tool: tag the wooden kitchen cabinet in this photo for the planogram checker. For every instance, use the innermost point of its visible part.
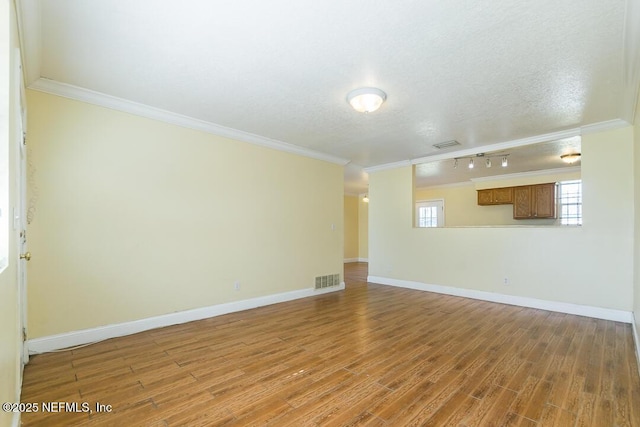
(495, 196)
(534, 201)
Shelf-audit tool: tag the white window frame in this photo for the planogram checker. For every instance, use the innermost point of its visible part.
(437, 204)
(568, 202)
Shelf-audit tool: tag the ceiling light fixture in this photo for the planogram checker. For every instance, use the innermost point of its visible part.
(365, 198)
(571, 158)
(487, 160)
(366, 99)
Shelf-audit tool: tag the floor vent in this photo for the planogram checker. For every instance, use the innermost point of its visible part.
(327, 281)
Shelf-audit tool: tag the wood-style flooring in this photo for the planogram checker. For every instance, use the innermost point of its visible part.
(370, 355)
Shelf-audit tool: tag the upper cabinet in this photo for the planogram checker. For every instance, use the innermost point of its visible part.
(529, 201)
(534, 201)
(495, 196)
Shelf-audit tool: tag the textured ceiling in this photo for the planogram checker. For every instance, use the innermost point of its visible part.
(478, 72)
(535, 157)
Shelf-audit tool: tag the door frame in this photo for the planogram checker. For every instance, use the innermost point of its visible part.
(20, 210)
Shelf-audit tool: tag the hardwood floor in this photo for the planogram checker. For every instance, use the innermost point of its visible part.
(370, 355)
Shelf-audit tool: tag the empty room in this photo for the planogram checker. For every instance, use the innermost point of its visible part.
(319, 213)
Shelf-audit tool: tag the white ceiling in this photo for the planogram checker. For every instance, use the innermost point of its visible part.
(527, 158)
(482, 73)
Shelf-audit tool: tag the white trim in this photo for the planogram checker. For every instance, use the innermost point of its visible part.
(553, 136)
(636, 340)
(386, 166)
(363, 259)
(350, 260)
(16, 420)
(561, 307)
(85, 95)
(85, 336)
(603, 126)
(29, 36)
(570, 133)
(570, 169)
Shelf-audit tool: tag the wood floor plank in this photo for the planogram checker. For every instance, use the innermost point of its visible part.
(532, 398)
(514, 420)
(369, 355)
(492, 407)
(552, 416)
(453, 411)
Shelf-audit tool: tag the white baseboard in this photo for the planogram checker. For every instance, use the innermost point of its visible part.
(348, 260)
(561, 307)
(85, 336)
(636, 340)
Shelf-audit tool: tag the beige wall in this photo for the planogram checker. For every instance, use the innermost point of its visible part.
(363, 227)
(137, 218)
(10, 340)
(589, 265)
(356, 235)
(350, 227)
(461, 201)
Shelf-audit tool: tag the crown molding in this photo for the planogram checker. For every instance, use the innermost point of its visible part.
(566, 170)
(29, 39)
(553, 136)
(97, 98)
(603, 126)
(386, 166)
(570, 133)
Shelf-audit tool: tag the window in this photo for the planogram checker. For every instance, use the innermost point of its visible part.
(570, 202)
(430, 213)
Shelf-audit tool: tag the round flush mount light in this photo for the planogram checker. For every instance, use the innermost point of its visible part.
(570, 158)
(366, 99)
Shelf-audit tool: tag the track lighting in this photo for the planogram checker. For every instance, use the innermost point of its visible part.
(487, 160)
